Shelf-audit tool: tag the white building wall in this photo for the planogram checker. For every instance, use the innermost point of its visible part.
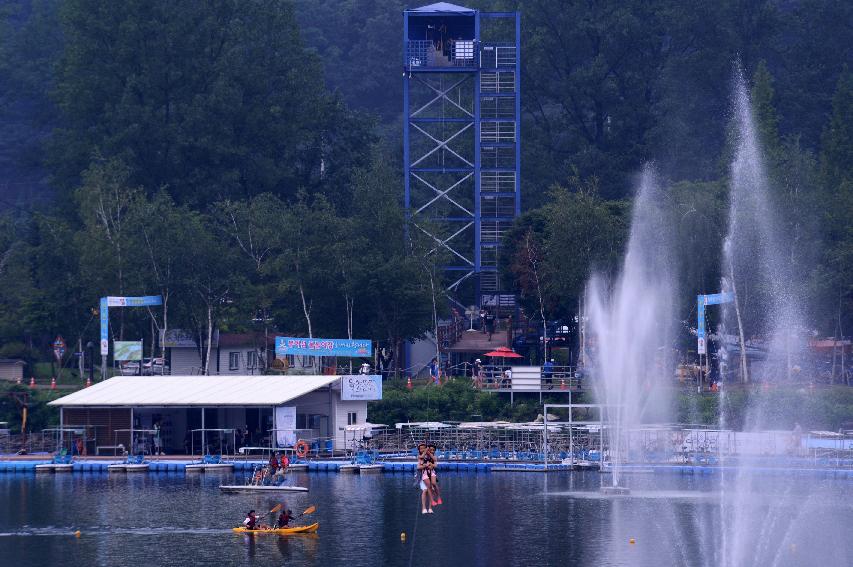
(184, 361)
(11, 372)
(318, 403)
(242, 361)
(343, 408)
(420, 354)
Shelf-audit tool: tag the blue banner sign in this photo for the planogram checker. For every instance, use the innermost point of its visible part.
(302, 346)
(718, 298)
(361, 387)
(701, 302)
(143, 301)
(104, 312)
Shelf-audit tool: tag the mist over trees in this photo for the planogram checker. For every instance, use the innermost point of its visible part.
(242, 159)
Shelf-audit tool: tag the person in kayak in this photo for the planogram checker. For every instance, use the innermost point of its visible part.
(284, 519)
(251, 521)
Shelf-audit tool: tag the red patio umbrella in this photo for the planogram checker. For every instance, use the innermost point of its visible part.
(503, 352)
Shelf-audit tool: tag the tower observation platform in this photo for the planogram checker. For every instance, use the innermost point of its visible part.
(461, 104)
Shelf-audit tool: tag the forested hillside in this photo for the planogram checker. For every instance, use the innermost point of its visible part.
(243, 158)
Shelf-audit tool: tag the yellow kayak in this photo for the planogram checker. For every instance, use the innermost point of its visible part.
(281, 531)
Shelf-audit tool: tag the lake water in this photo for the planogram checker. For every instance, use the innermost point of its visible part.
(487, 519)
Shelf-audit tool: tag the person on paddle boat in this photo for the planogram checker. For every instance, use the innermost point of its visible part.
(424, 463)
(435, 493)
(278, 478)
(273, 464)
(258, 477)
(284, 519)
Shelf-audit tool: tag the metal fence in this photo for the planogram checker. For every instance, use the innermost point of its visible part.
(592, 442)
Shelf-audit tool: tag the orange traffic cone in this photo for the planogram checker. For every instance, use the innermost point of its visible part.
(32, 381)
(563, 384)
(53, 383)
(409, 383)
(88, 381)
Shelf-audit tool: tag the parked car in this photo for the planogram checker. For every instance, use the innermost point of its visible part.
(150, 366)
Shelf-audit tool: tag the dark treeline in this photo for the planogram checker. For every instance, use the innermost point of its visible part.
(242, 158)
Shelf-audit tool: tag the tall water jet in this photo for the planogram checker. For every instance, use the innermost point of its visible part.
(757, 271)
(756, 264)
(630, 323)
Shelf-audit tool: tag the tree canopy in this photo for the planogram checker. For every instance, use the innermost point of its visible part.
(242, 158)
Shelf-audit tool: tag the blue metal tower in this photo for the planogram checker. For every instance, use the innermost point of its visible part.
(461, 152)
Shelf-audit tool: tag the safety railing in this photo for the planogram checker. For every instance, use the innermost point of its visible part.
(497, 82)
(424, 53)
(497, 181)
(493, 55)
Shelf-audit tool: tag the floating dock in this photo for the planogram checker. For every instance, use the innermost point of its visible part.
(335, 466)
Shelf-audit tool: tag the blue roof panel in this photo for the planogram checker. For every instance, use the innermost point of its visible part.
(443, 8)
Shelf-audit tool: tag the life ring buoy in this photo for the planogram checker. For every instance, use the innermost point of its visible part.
(301, 448)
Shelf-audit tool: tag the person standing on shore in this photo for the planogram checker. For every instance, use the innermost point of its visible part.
(434, 372)
(477, 374)
(490, 324)
(158, 449)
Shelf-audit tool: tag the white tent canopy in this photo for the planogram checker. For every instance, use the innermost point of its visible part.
(187, 391)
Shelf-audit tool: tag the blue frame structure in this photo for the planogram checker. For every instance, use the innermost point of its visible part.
(461, 139)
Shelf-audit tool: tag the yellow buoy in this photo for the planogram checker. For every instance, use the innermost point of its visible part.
(632, 541)
(403, 536)
(77, 533)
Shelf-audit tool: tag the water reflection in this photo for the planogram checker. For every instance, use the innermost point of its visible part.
(497, 519)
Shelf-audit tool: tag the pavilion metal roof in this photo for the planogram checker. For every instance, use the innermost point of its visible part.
(443, 8)
(200, 391)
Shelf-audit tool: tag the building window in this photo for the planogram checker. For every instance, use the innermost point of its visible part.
(352, 418)
(233, 361)
(252, 359)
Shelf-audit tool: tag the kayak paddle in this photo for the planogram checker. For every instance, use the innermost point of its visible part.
(309, 510)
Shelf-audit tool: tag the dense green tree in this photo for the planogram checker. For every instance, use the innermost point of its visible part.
(360, 45)
(211, 100)
(590, 82)
(395, 295)
(30, 44)
(833, 278)
(161, 231)
(594, 243)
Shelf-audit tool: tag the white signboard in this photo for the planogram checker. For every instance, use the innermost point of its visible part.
(700, 346)
(285, 424)
(361, 387)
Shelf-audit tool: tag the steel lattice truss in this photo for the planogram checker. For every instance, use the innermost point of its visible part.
(443, 167)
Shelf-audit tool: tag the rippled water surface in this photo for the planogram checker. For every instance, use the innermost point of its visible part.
(487, 519)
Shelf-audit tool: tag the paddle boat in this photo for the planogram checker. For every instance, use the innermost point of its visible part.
(262, 481)
(133, 463)
(63, 462)
(210, 463)
(365, 462)
(248, 488)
